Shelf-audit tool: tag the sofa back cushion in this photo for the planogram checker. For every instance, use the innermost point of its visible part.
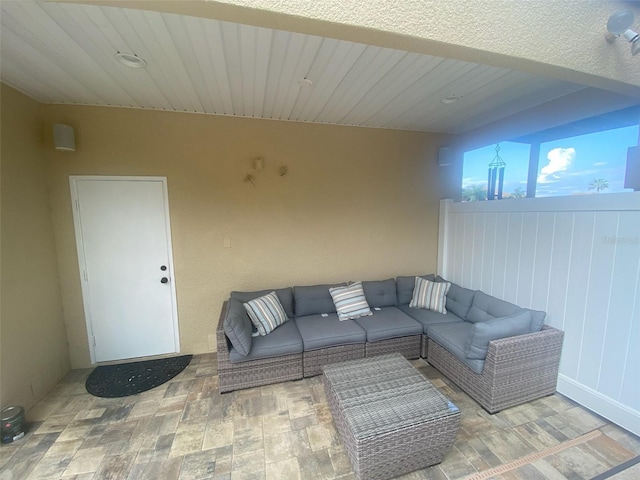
(314, 299)
(284, 295)
(238, 327)
(485, 307)
(381, 293)
(405, 285)
(537, 320)
(494, 329)
(459, 299)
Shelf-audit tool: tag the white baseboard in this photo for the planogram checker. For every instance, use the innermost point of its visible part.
(610, 409)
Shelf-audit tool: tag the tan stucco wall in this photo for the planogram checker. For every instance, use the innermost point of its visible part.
(34, 353)
(561, 39)
(356, 204)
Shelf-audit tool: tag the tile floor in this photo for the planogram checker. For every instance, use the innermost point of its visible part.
(185, 429)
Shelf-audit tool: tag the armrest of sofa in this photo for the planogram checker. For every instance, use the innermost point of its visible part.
(221, 339)
(528, 355)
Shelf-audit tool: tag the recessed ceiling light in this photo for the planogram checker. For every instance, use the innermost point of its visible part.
(305, 82)
(131, 60)
(451, 99)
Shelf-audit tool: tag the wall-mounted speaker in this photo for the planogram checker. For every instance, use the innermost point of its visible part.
(445, 156)
(64, 137)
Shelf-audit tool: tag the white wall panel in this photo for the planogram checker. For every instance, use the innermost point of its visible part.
(527, 260)
(627, 269)
(597, 299)
(457, 259)
(560, 268)
(512, 258)
(579, 279)
(624, 286)
(630, 391)
(499, 257)
(577, 258)
(479, 226)
(467, 242)
(488, 257)
(541, 277)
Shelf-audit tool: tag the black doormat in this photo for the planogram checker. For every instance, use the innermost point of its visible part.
(111, 381)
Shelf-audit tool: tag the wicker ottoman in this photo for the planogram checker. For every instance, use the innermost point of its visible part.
(391, 419)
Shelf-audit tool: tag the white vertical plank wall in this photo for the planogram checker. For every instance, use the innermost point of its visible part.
(578, 259)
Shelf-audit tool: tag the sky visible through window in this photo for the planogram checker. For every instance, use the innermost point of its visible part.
(566, 167)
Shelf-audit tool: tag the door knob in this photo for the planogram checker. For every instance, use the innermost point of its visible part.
(164, 280)
(163, 268)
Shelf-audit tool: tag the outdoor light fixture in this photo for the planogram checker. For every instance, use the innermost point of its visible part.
(619, 24)
(131, 60)
(451, 99)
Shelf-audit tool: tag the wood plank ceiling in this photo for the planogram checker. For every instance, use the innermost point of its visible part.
(65, 53)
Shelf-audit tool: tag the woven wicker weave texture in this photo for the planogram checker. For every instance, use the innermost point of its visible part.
(390, 418)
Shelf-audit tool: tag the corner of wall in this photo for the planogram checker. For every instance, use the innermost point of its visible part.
(34, 351)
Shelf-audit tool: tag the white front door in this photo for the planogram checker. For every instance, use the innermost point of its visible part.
(124, 251)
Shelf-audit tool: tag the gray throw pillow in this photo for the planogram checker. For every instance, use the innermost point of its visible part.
(237, 326)
(537, 320)
(502, 327)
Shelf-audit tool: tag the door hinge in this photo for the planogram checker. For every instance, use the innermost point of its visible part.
(77, 205)
(85, 275)
(94, 340)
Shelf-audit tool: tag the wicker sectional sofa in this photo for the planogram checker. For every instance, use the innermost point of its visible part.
(500, 354)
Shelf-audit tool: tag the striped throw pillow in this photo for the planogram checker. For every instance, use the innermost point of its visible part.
(350, 301)
(266, 313)
(430, 295)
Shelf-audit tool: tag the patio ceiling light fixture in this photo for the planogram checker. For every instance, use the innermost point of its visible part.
(131, 60)
(619, 24)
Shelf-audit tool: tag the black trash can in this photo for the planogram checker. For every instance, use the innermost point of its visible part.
(13, 424)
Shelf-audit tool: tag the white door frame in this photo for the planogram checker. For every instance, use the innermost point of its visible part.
(73, 179)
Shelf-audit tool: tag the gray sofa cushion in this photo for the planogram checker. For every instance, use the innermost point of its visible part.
(381, 293)
(310, 300)
(388, 322)
(459, 299)
(284, 340)
(483, 332)
(321, 332)
(284, 295)
(429, 317)
(485, 307)
(404, 287)
(453, 337)
(537, 320)
(238, 327)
